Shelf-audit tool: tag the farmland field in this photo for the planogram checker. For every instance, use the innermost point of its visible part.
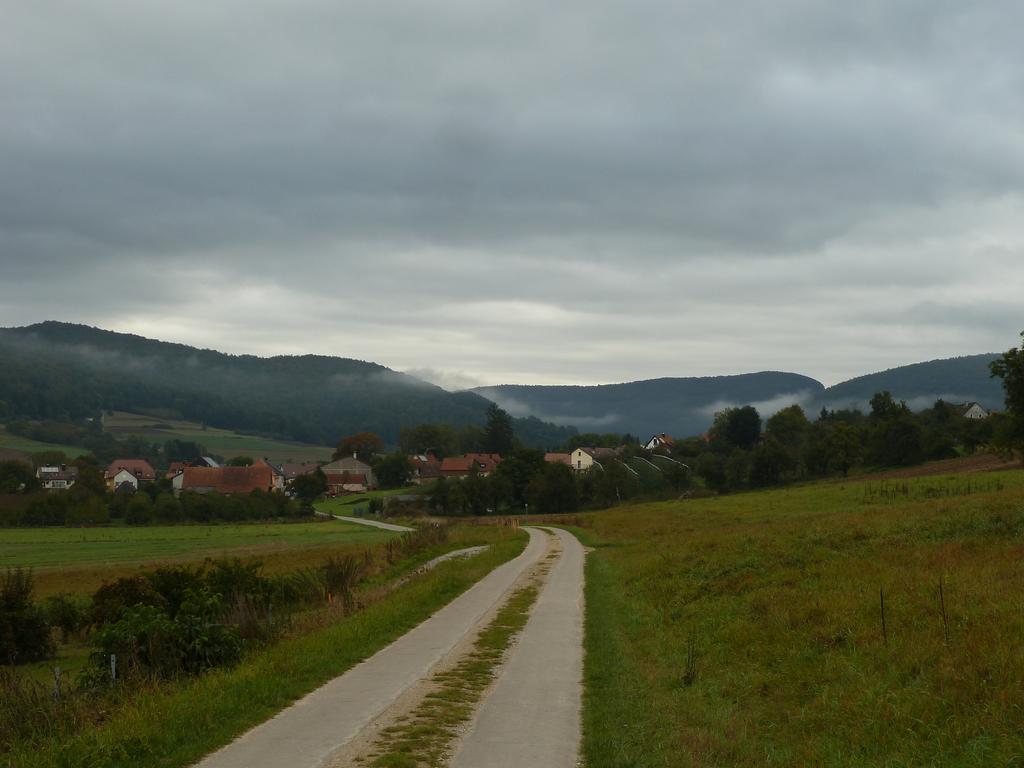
(19, 443)
(748, 630)
(219, 441)
(79, 559)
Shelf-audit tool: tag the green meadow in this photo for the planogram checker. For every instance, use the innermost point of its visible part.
(19, 443)
(78, 560)
(748, 630)
(222, 442)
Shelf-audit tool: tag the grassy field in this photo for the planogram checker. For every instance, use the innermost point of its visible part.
(219, 441)
(18, 443)
(747, 630)
(80, 559)
(342, 505)
(174, 724)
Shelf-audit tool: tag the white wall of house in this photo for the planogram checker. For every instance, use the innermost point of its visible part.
(581, 460)
(124, 476)
(975, 412)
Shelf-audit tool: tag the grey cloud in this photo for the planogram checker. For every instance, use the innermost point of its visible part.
(534, 193)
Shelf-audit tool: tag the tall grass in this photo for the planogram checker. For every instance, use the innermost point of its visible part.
(748, 630)
(170, 723)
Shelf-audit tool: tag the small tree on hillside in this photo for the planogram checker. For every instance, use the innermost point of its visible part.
(362, 444)
(498, 433)
(1010, 368)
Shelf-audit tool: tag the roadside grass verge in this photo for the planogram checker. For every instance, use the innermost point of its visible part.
(423, 739)
(747, 630)
(175, 724)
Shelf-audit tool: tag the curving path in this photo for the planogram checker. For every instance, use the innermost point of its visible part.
(532, 716)
(305, 734)
(374, 523)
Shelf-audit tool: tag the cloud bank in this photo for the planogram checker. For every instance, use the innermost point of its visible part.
(593, 192)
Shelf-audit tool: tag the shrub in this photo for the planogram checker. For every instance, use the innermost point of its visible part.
(24, 631)
(150, 643)
(66, 613)
(173, 583)
(112, 600)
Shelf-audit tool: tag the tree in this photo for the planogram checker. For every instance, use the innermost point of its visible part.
(310, 486)
(789, 426)
(498, 433)
(738, 427)
(362, 445)
(843, 448)
(140, 510)
(440, 439)
(711, 467)
(553, 490)
(393, 471)
(1010, 368)
(240, 461)
(17, 477)
(519, 468)
(770, 462)
(167, 509)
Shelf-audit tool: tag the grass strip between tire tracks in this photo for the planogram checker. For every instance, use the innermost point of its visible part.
(174, 725)
(423, 738)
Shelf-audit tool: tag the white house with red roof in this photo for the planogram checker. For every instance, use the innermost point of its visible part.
(134, 471)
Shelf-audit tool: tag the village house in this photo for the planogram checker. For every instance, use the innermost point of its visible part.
(425, 467)
(278, 472)
(57, 478)
(175, 468)
(463, 466)
(663, 442)
(226, 480)
(343, 472)
(583, 459)
(346, 482)
(974, 411)
(134, 471)
(294, 470)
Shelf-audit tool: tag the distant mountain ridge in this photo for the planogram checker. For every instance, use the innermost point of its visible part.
(64, 371)
(686, 406)
(954, 379)
(680, 406)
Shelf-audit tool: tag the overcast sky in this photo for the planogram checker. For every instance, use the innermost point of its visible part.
(521, 192)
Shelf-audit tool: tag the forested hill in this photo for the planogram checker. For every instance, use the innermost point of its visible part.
(62, 371)
(956, 379)
(679, 406)
(686, 406)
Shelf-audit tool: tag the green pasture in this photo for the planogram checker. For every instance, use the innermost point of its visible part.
(19, 443)
(56, 548)
(747, 630)
(222, 442)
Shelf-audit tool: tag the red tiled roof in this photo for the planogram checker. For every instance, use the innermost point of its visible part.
(558, 458)
(346, 479)
(291, 471)
(259, 477)
(456, 464)
(176, 467)
(138, 467)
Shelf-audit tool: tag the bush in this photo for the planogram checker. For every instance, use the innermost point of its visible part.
(66, 613)
(150, 643)
(112, 600)
(24, 631)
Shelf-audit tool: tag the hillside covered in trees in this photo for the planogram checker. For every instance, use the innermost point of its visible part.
(687, 406)
(680, 406)
(65, 372)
